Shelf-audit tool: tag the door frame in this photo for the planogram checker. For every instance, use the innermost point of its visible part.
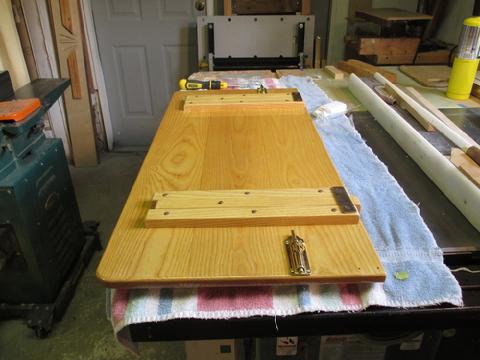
(96, 67)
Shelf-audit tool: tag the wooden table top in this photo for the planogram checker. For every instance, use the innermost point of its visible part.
(241, 149)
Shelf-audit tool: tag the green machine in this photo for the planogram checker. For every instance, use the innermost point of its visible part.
(44, 246)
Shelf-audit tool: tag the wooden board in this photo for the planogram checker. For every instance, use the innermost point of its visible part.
(202, 101)
(413, 93)
(386, 15)
(466, 165)
(431, 76)
(411, 110)
(387, 46)
(67, 27)
(224, 150)
(269, 7)
(264, 207)
(383, 59)
(436, 57)
(336, 73)
(362, 69)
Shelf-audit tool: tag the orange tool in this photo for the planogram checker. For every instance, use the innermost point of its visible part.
(18, 110)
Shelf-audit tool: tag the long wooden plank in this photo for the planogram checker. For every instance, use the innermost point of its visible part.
(244, 149)
(276, 207)
(411, 109)
(272, 197)
(362, 69)
(252, 216)
(208, 102)
(435, 111)
(66, 25)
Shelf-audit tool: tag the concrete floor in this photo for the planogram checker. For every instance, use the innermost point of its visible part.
(84, 332)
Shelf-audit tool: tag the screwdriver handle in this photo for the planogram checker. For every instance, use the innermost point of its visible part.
(197, 84)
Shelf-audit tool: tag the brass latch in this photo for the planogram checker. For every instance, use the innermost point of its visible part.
(297, 255)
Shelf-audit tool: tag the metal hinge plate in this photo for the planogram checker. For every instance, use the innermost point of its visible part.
(297, 256)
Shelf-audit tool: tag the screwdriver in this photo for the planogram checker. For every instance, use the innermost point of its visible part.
(197, 84)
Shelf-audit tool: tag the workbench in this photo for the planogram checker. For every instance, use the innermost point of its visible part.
(454, 234)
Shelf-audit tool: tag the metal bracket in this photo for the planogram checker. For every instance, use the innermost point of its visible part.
(211, 45)
(343, 199)
(297, 256)
(301, 44)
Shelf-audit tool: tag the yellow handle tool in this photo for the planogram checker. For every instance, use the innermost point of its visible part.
(197, 84)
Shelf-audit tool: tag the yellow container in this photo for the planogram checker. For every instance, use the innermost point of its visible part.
(465, 65)
(461, 78)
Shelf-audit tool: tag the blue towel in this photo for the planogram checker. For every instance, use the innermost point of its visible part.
(398, 232)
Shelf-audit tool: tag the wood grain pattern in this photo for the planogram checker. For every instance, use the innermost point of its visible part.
(387, 46)
(225, 102)
(466, 165)
(431, 76)
(435, 111)
(244, 149)
(227, 7)
(66, 15)
(74, 75)
(411, 110)
(363, 69)
(79, 115)
(275, 207)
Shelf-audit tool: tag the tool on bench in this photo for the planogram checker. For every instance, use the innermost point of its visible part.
(185, 84)
(18, 110)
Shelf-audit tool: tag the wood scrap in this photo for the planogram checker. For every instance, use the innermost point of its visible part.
(411, 109)
(363, 69)
(431, 76)
(434, 110)
(317, 64)
(336, 73)
(466, 165)
(472, 149)
(476, 86)
(389, 99)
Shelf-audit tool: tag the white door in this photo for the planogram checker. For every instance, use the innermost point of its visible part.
(145, 47)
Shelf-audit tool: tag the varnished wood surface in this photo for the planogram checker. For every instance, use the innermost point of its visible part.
(243, 149)
(258, 207)
(202, 101)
